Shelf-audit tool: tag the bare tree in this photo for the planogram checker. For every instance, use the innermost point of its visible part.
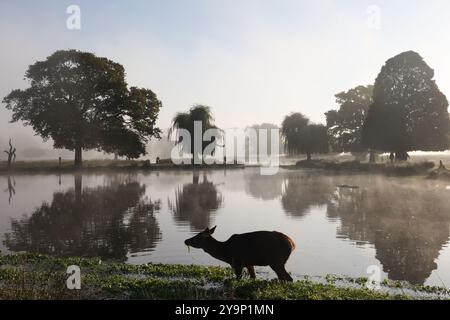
(11, 154)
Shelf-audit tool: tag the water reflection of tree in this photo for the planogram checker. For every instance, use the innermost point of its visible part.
(408, 225)
(265, 187)
(105, 222)
(11, 188)
(194, 202)
(301, 192)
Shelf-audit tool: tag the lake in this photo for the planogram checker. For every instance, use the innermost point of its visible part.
(342, 224)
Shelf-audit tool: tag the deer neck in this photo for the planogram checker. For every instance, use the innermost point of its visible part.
(217, 249)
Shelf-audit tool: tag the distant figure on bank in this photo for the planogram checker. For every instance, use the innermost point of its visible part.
(392, 157)
(157, 160)
(261, 248)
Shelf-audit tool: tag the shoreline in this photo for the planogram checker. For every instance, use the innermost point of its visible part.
(423, 169)
(36, 277)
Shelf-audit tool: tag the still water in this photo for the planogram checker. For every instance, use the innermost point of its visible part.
(342, 224)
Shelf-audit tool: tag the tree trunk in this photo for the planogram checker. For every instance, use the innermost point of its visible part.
(78, 156)
(372, 156)
(9, 161)
(308, 156)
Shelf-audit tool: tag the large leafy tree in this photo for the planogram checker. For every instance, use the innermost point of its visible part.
(302, 137)
(345, 125)
(82, 102)
(409, 112)
(186, 121)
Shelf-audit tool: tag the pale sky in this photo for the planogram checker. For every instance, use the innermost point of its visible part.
(252, 61)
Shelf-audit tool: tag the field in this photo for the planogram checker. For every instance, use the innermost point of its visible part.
(29, 276)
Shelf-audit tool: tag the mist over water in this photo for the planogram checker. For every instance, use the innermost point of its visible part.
(341, 223)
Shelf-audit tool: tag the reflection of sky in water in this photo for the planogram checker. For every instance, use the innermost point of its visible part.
(400, 224)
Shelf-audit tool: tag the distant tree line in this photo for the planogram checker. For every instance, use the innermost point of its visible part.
(403, 111)
(83, 102)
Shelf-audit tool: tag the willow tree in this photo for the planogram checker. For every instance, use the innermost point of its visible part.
(302, 137)
(186, 121)
(82, 102)
(409, 112)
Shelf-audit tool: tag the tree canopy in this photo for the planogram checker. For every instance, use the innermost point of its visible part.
(302, 137)
(82, 102)
(409, 112)
(345, 125)
(186, 120)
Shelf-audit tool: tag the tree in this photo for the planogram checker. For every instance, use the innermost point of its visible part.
(11, 154)
(140, 122)
(301, 136)
(254, 149)
(346, 124)
(82, 102)
(291, 129)
(409, 112)
(186, 120)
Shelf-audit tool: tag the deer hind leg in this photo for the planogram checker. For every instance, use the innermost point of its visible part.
(251, 272)
(237, 266)
(281, 272)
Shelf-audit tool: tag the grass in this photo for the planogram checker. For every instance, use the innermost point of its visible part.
(387, 168)
(52, 166)
(29, 276)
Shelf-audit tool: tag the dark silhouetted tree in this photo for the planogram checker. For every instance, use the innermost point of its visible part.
(82, 102)
(302, 137)
(409, 112)
(291, 129)
(186, 120)
(346, 124)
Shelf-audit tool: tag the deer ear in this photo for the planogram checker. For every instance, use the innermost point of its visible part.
(212, 230)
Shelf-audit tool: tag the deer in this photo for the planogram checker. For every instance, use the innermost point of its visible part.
(260, 248)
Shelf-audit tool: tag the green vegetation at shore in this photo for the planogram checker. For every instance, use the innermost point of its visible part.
(395, 169)
(53, 166)
(28, 276)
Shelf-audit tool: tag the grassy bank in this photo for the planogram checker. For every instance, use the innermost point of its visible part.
(396, 169)
(392, 169)
(52, 166)
(28, 276)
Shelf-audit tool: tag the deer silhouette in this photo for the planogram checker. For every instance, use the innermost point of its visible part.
(261, 248)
